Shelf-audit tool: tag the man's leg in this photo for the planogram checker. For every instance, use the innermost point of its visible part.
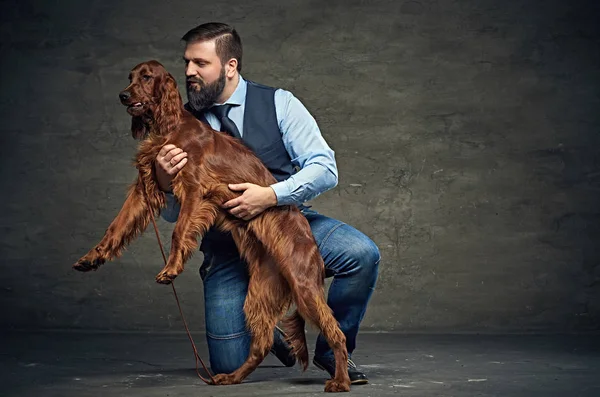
(352, 259)
(225, 287)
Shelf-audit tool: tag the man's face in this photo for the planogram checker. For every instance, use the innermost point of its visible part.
(205, 76)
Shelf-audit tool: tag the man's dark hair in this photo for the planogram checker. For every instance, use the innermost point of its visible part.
(228, 43)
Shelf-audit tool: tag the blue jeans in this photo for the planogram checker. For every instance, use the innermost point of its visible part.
(350, 257)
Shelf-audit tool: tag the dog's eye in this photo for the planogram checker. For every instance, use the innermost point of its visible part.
(146, 77)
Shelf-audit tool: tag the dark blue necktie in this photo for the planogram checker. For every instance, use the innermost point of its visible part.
(227, 125)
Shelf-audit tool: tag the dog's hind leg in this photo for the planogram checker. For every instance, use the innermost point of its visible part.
(267, 297)
(301, 265)
(196, 216)
(133, 219)
(311, 304)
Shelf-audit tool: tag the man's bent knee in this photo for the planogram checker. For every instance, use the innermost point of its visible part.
(228, 353)
(367, 255)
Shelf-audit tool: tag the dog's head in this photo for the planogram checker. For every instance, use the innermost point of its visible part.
(151, 98)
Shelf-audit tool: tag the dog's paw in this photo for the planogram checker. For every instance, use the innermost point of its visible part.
(225, 379)
(89, 262)
(167, 275)
(333, 386)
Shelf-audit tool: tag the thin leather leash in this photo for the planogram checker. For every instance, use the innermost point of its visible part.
(162, 251)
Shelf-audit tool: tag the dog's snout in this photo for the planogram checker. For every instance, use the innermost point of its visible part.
(124, 95)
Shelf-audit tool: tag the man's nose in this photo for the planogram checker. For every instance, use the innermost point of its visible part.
(124, 95)
(190, 70)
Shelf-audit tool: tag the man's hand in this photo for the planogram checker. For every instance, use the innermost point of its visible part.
(169, 161)
(252, 202)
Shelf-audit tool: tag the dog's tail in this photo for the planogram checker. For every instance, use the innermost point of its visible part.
(296, 337)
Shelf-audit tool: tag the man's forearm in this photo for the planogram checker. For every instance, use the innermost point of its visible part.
(306, 184)
(164, 181)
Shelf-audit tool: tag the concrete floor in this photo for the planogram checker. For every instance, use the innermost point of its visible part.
(134, 364)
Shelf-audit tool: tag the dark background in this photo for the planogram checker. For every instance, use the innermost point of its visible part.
(466, 135)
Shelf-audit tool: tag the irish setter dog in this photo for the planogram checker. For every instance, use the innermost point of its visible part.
(283, 260)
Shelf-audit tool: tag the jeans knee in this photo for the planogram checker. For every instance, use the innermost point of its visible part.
(362, 260)
(368, 256)
(228, 353)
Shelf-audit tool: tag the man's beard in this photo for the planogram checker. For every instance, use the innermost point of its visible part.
(203, 95)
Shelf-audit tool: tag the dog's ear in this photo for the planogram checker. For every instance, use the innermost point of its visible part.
(169, 105)
(139, 129)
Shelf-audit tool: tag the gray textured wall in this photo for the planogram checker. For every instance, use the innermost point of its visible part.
(466, 134)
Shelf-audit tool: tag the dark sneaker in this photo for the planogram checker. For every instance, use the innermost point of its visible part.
(281, 349)
(328, 364)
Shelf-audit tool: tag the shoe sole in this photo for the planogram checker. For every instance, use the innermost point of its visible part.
(355, 382)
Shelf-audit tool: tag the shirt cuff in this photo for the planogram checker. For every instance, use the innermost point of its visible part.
(283, 193)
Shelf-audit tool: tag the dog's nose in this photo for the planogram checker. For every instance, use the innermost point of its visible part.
(124, 95)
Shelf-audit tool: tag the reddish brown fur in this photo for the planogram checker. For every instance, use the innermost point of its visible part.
(283, 260)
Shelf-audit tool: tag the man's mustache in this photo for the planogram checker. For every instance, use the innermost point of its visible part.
(194, 80)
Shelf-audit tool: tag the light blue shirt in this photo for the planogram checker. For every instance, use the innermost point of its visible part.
(303, 141)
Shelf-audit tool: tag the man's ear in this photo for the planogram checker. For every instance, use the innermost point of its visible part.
(231, 68)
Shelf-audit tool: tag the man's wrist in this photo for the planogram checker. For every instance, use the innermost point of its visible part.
(164, 183)
(273, 199)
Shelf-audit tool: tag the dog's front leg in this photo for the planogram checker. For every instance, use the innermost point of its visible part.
(131, 220)
(196, 216)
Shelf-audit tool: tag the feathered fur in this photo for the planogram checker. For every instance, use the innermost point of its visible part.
(283, 259)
